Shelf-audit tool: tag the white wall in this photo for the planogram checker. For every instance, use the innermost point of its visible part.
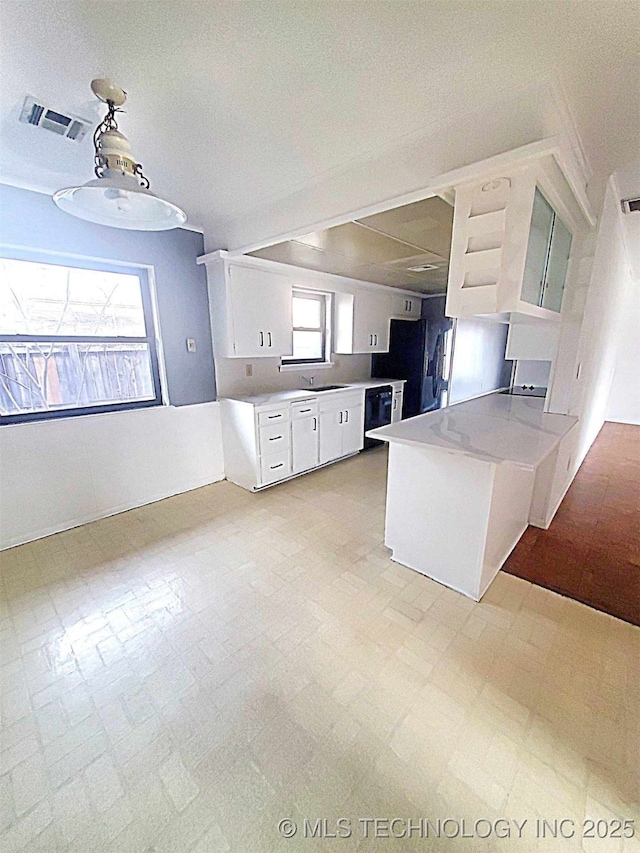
(624, 397)
(478, 359)
(232, 379)
(61, 473)
(602, 321)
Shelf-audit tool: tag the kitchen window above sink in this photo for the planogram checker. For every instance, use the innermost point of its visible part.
(311, 312)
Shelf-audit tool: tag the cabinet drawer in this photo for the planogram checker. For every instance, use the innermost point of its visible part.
(274, 438)
(275, 466)
(304, 409)
(274, 416)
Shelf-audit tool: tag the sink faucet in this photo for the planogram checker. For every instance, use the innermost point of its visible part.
(308, 379)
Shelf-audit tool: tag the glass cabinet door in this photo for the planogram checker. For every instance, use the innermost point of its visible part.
(537, 250)
(557, 264)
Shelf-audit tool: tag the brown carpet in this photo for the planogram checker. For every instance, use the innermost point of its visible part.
(591, 551)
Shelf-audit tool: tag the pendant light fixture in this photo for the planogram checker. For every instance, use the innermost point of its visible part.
(119, 195)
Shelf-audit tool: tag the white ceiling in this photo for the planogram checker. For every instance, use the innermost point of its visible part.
(233, 104)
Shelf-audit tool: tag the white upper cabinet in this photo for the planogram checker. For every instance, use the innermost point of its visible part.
(260, 303)
(250, 310)
(547, 257)
(511, 245)
(362, 322)
(407, 307)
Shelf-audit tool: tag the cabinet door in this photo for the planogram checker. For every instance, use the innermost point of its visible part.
(304, 440)
(372, 316)
(407, 307)
(352, 429)
(382, 309)
(381, 334)
(364, 322)
(557, 264)
(330, 436)
(260, 302)
(396, 408)
(537, 250)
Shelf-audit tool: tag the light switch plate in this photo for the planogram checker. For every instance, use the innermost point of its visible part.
(191, 345)
(248, 369)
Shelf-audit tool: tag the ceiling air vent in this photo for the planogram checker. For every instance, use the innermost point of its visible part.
(630, 205)
(64, 125)
(422, 268)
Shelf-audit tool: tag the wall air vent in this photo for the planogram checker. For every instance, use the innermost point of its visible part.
(422, 268)
(64, 125)
(630, 205)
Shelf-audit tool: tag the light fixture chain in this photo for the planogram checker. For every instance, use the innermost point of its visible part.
(108, 123)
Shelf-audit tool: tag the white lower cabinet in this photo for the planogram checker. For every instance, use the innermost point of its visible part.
(353, 430)
(330, 436)
(264, 444)
(341, 427)
(304, 443)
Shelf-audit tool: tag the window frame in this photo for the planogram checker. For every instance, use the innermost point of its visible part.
(151, 338)
(324, 298)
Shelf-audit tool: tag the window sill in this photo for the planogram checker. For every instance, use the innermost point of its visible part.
(285, 367)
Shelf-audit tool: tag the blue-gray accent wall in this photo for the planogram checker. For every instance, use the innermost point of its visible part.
(30, 220)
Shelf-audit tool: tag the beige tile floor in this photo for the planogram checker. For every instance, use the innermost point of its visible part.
(183, 676)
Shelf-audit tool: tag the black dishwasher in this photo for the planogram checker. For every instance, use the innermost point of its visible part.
(378, 403)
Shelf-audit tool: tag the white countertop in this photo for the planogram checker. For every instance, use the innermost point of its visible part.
(275, 397)
(495, 428)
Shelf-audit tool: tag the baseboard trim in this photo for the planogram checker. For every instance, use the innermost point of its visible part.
(70, 524)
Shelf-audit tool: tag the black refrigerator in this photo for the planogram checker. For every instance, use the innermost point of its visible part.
(420, 352)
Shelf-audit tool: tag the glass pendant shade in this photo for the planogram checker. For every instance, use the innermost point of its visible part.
(120, 202)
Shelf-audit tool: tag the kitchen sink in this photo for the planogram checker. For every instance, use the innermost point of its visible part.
(325, 388)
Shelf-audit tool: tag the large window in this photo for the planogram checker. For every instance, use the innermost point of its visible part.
(74, 340)
(311, 340)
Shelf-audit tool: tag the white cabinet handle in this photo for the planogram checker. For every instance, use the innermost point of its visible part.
(395, 403)
(302, 411)
(346, 416)
(279, 465)
(341, 417)
(271, 417)
(269, 336)
(261, 339)
(276, 438)
(315, 424)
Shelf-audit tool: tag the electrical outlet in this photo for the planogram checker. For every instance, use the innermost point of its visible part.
(191, 345)
(248, 369)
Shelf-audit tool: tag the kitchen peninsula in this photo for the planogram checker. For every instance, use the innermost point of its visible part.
(461, 482)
